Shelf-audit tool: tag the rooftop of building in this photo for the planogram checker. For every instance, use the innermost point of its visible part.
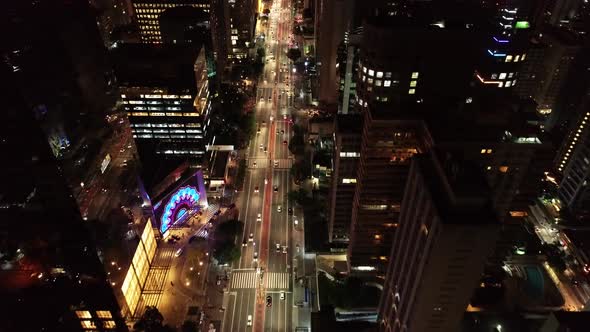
(349, 123)
(161, 65)
(457, 187)
(218, 165)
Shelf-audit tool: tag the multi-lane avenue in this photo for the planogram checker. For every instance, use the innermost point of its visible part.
(260, 286)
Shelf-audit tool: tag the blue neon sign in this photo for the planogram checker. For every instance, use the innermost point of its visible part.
(182, 200)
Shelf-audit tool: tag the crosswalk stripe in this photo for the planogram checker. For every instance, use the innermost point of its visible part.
(278, 280)
(243, 280)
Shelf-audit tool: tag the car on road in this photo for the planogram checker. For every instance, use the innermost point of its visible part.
(282, 295)
(251, 237)
(297, 247)
(178, 252)
(249, 323)
(290, 211)
(261, 98)
(259, 217)
(255, 257)
(282, 131)
(276, 163)
(275, 189)
(244, 243)
(284, 249)
(265, 149)
(269, 301)
(254, 164)
(258, 130)
(256, 189)
(261, 146)
(279, 209)
(284, 142)
(269, 98)
(263, 123)
(278, 247)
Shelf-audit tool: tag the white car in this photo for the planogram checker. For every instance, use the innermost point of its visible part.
(279, 209)
(259, 217)
(178, 252)
(278, 247)
(251, 237)
(249, 323)
(255, 257)
(282, 296)
(284, 249)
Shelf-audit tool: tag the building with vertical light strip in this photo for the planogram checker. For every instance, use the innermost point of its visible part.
(147, 13)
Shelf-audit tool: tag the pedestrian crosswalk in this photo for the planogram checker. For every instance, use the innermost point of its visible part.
(244, 279)
(283, 163)
(250, 279)
(203, 232)
(277, 280)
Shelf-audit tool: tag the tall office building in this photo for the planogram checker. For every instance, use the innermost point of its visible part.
(510, 29)
(147, 13)
(333, 19)
(573, 162)
(220, 30)
(543, 74)
(242, 24)
(165, 91)
(447, 228)
(347, 152)
(347, 64)
(111, 14)
(389, 140)
(412, 74)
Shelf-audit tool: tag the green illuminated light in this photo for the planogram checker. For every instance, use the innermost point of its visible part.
(522, 25)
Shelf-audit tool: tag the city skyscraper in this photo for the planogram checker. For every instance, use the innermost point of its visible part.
(147, 13)
(164, 90)
(447, 228)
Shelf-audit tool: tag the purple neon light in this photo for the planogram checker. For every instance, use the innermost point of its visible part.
(184, 196)
(501, 40)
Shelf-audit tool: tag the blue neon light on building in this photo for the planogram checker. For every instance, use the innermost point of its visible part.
(183, 199)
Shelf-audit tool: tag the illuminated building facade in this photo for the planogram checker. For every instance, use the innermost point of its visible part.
(178, 203)
(242, 24)
(387, 144)
(543, 75)
(147, 13)
(347, 152)
(507, 43)
(165, 92)
(447, 228)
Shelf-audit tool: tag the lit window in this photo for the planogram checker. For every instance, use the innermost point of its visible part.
(508, 58)
(87, 324)
(489, 168)
(371, 72)
(415, 75)
(494, 76)
(508, 84)
(411, 91)
(377, 237)
(514, 83)
(123, 96)
(518, 214)
(378, 82)
(348, 181)
(364, 78)
(523, 57)
(413, 83)
(370, 81)
(510, 75)
(383, 98)
(379, 74)
(83, 314)
(109, 324)
(517, 58)
(388, 74)
(503, 169)
(387, 83)
(488, 151)
(501, 84)
(365, 70)
(483, 151)
(502, 76)
(104, 314)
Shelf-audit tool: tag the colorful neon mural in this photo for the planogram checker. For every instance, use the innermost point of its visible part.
(183, 200)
